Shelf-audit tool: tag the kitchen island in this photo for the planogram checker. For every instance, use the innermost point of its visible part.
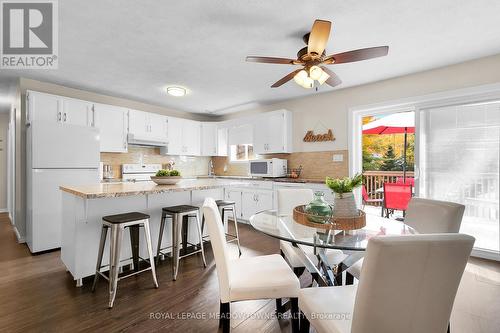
(85, 205)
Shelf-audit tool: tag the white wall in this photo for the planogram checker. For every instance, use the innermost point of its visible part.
(331, 109)
(4, 124)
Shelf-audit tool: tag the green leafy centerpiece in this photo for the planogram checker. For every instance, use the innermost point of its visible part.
(167, 177)
(342, 188)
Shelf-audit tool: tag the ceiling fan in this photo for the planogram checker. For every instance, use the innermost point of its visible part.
(312, 58)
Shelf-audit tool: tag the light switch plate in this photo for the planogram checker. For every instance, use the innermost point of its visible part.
(338, 158)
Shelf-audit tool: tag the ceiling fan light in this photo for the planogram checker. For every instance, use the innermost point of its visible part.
(299, 77)
(308, 83)
(324, 76)
(315, 72)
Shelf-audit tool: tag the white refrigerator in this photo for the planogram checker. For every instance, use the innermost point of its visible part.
(57, 154)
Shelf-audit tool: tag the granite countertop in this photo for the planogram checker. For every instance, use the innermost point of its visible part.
(112, 190)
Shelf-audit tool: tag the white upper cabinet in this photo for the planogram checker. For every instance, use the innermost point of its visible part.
(77, 112)
(147, 128)
(191, 131)
(222, 133)
(112, 122)
(158, 126)
(208, 139)
(183, 137)
(175, 145)
(57, 109)
(272, 132)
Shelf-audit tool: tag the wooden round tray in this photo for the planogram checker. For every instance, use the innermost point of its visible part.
(336, 222)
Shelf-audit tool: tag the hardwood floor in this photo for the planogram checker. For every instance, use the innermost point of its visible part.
(38, 295)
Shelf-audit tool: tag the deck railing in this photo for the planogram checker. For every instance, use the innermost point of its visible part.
(375, 180)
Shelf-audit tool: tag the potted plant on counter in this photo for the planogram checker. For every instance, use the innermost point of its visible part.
(167, 177)
(342, 188)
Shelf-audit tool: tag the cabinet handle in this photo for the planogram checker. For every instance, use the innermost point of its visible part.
(64, 117)
(59, 116)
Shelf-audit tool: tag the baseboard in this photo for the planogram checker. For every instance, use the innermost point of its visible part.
(20, 239)
(3, 210)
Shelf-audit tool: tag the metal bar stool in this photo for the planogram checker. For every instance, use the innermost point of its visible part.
(117, 224)
(226, 206)
(180, 215)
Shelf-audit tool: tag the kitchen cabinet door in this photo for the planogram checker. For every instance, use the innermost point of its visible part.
(112, 124)
(235, 195)
(191, 137)
(208, 139)
(175, 146)
(263, 201)
(77, 112)
(222, 133)
(157, 126)
(44, 107)
(138, 122)
(260, 136)
(275, 132)
(248, 204)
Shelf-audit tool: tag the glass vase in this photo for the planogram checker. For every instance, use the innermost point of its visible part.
(318, 210)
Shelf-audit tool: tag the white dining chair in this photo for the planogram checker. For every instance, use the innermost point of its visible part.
(288, 199)
(426, 216)
(409, 285)
(262, 277)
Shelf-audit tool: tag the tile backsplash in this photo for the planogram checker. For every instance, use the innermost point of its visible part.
(187, 165)
(315, 165)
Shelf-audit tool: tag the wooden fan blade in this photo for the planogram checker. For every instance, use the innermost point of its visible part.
(286, 78)
(357, 55)
(333, 80)
(319, 36)
(271, 60)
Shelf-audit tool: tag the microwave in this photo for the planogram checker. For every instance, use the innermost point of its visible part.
(274, 167)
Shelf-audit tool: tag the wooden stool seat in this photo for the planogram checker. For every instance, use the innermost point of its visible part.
(125, 217)
(180, 209)
(224, 203)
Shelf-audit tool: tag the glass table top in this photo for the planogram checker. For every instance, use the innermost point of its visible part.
(285, 228)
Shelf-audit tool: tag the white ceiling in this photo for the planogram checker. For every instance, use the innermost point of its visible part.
(133, 48)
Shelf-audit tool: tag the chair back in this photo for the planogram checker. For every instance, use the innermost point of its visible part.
(397, 196)
(364, 193)
(289, 198)
(218, 240)
(409, 283)
(432, 216)
(408, 180)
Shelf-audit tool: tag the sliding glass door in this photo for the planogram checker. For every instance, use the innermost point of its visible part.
(458, 160)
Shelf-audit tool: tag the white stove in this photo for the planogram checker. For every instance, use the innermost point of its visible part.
(139, 172)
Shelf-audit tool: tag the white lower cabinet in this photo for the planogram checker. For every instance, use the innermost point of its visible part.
(258, 196)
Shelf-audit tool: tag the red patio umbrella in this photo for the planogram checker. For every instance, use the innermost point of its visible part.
(396, 123)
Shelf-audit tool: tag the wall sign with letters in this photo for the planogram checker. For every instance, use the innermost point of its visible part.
(311, 137)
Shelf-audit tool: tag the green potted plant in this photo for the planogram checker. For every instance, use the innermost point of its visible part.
(342, 188)
(167, 177)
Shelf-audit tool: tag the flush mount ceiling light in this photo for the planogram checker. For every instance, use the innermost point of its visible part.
(176, 91)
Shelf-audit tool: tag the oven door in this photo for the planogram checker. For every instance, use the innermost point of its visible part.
(260, 168)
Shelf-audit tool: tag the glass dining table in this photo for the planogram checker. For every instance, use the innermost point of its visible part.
(352, 242)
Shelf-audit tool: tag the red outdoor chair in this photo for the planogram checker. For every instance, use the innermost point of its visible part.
(409, 180)
(396, 197)
(366, 198)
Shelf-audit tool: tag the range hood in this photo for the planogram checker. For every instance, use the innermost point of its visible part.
(146, 140)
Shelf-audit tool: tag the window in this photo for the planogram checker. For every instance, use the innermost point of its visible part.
(241, 153)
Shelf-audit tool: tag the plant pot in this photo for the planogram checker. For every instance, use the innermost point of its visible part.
(345, 205)
(166, 180)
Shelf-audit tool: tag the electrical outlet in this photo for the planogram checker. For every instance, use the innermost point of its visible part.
(338, 158)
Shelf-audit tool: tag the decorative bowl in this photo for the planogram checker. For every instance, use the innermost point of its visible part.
(335, 222)
(166, 180)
